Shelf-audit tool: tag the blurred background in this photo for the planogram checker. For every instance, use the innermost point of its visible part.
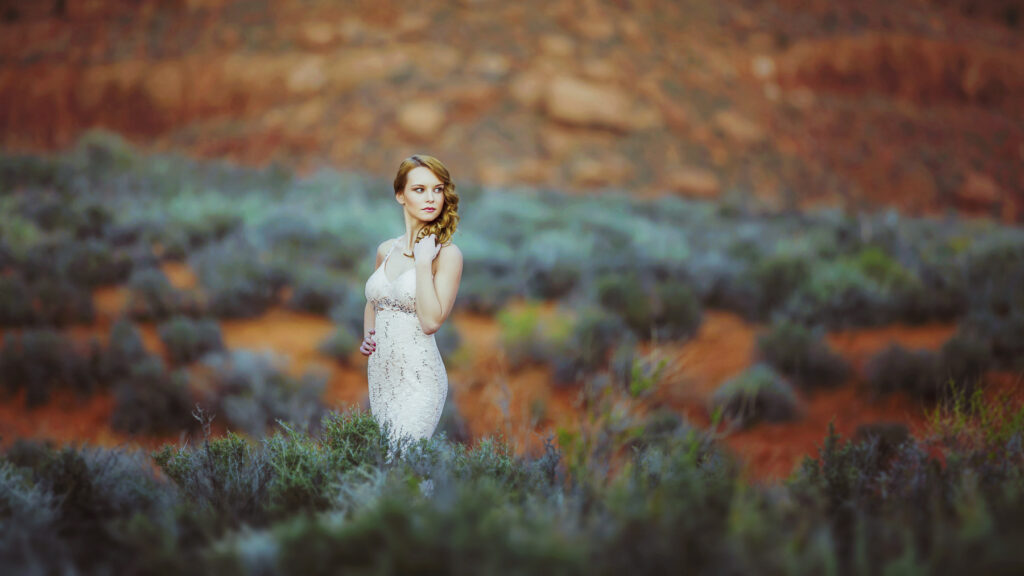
(668, 207)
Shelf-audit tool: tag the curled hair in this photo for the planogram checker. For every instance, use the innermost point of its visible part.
(446, 222)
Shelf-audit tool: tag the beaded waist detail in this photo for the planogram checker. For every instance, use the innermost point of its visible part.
(393, 305)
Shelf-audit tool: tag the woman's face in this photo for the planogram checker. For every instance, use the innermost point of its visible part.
(423, 195)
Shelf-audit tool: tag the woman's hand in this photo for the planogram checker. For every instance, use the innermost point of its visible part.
(369, 345)
(425, 250)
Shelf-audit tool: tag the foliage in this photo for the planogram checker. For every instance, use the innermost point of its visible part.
(801, 353)
(149, 400)
(252, 390)
(187, 340)
(758, 393)
(915, 372)
(151, 296)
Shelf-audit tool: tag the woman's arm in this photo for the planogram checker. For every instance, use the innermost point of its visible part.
(435, 292)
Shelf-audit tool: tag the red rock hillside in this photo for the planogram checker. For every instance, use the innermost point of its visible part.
(912, 103)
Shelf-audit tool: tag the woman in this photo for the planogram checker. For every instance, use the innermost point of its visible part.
(409, 296)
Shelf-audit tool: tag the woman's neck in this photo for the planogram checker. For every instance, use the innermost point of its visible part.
(411, 230)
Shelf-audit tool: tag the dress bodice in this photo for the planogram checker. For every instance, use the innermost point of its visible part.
(398, 294)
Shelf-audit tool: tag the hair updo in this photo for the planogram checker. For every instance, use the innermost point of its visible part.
(444, 225)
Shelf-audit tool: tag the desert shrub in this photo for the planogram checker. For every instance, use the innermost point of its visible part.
(677, 311)
(355, 436)
(95, 491)
(152, 297)
(776, 278)
(965, 358)
(41, 360)
(349, 311)
(339, 345)
(624, 294)
(483, 291)
(447, 339)
(125, 349)
(593, 335)
(305, 474)
(918, 373)
(997, 311)
(555, 282)
(93, 263)
(658, 427)
(187, 340)
(226, 479)
(16, 308)
(941, 294)
(149, 400)
(28, 539)
(693, 482)
(453, 424)
(479, 523)
(636, 374)
(837, 295)
(238, 283)
(802, 354)
(530, 337)
(758, 393)
(252, 391)
(60, 304)
(872, 496)
(317, 291)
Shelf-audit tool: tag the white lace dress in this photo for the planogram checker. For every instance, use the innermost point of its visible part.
(406, 377)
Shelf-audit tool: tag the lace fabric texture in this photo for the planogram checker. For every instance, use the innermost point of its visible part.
(407, 380)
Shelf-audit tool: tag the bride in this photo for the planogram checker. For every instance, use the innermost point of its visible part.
(409, 296)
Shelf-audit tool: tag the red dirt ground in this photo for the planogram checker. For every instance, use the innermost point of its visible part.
(522, 404)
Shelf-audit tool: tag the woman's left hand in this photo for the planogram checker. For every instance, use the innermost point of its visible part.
(426, 250)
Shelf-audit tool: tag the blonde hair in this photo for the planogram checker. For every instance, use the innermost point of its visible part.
(446, 222)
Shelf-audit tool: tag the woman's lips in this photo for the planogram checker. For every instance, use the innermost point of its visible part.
(430, 209)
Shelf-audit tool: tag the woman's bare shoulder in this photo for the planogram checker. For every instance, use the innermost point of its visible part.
(383, 247)
(450, 251)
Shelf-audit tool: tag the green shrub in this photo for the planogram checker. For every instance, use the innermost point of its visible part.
(252, 391)
(756, 394)
(918, 373)
(237, 280)
(93, 493)
(594, 334)
(151, 401)
(316, 291)
(227, 479)
(305, 474)
(30, 513)
(152, 297)
(340, 345)
(447, 339)
(624, 294)
(16, 307)
(555, 281)
(93, 263)
(802, 354)
(776, 278)
(41, 360)
(484, 291)
(124, 349)
(355, 436)
(965, 358)
(677, 313)
(187, 340)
